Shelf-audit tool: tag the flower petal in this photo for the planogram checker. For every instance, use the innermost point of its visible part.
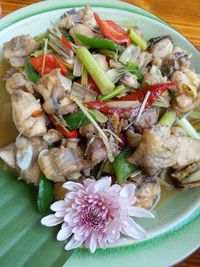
(132, 229)
(139, 212)
(59, 205)
(51, 220)
(92, 242)
(115, 188)
(73, 243)
(64, 233)
(128, 192)
(72, 186)
(103, 184)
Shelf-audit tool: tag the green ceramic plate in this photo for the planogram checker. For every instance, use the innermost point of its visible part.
(24, 242)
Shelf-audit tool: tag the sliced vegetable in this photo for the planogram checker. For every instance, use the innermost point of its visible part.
(186, 125)
(132, 69)
(168, 119)
(156, 90)
(122, 112)
(84, 77)
(137, 39)
(45, 195)
(97, 115)
(131, 53)
(112, 31)
(76, 120)
(61, 127)
(51, 62)
(99, 43)
(31, 72)
(66, 42)
(116, 91)
(91, 85)
(122, 167)
(96, 72)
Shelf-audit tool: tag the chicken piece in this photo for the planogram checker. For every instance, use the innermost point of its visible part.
(52, 136)
(27, 151)
(178, 131)
(146, 121)
(59, 164)
(160, 149)
(186, 97)
(183, 173)
(155, 151)
(148, 193)
(82, 29)
(69, 19)
(179, 60)
(87, 17)
(59, 191)
(16, 81)
(87, 130)
(24, 105)
(20, 46)
(153, 78)
(161, 48)
(55, 89)
(96, 151)
(133, 138)
(144, 59)
(7, 154)
(130, 80)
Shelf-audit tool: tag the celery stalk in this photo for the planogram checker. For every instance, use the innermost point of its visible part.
(168, 118)
(185, 124)
(116, 91)
(95, 71)
(138, 40)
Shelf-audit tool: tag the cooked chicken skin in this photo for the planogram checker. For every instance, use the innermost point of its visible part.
(160, 149)
(16, 81)
(58, 164)
(24, 105)
(20, 46)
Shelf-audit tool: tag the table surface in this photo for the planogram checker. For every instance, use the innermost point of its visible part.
(182, 15)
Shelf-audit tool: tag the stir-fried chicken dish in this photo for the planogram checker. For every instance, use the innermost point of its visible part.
(91, 98)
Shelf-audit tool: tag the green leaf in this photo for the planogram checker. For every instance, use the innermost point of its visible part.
(24, 241)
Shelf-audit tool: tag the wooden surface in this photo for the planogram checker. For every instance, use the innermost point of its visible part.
(184, 15)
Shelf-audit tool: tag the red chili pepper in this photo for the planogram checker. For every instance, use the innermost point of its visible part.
(156, 91)
(66, 42)
(51, 62)
(121, 112)
(113, 31)
(60, 127)
(91, 85)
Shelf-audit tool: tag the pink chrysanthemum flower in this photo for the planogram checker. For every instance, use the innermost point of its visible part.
(95, 213)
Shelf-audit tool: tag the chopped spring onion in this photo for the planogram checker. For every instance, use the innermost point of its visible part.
(96, 72)
(97, 115)
(84, 77)
(137, 39)
(185, 124)
(168, 119)
(116, 91)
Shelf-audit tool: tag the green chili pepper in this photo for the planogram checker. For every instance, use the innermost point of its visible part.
(122, 167)
(31, 72)
(99, 43)
(45, 195)
(132, 69)
(76, 120)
